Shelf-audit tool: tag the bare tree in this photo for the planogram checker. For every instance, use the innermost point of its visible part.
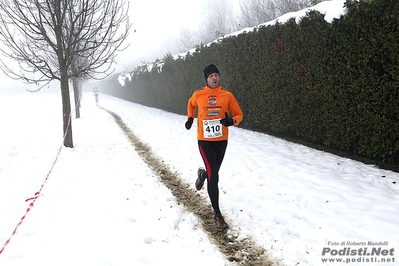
(187, 40)
(78, 63)
(45, 37)
(255, 12)
(218, 20)
(129, 67)
(285, 6)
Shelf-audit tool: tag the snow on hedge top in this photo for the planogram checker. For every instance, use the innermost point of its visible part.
(333, 9)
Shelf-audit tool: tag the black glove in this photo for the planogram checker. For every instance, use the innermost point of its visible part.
(227, 121)
(189, 123)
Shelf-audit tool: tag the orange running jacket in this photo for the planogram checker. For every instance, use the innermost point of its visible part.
(213, 104)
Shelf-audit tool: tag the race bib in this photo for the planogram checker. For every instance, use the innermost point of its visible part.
(212, 128)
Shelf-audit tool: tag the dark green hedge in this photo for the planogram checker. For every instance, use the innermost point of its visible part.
(334, 84)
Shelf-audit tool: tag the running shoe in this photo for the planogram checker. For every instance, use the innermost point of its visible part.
(199, 183)
(221, 224)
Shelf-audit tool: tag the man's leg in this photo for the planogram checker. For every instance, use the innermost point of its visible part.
(212, 154)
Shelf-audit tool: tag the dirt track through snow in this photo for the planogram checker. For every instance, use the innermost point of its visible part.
(243, 252)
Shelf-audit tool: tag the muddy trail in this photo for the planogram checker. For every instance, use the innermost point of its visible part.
(243, 252)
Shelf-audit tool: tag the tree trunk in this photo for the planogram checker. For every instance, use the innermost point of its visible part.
(77, 95)
(66, 112)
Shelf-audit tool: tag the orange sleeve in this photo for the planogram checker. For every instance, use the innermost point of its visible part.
(236, 111)
(192, 104)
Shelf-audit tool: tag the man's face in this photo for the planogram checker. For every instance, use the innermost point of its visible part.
(213, 80)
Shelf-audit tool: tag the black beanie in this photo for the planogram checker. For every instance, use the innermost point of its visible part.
(209, 70)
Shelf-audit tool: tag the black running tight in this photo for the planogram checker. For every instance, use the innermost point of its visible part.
(212, 153)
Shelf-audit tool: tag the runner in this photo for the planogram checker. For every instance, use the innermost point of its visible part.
(96, 91)
(217, 110)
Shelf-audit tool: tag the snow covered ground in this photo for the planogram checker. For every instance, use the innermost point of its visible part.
(101, 205)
